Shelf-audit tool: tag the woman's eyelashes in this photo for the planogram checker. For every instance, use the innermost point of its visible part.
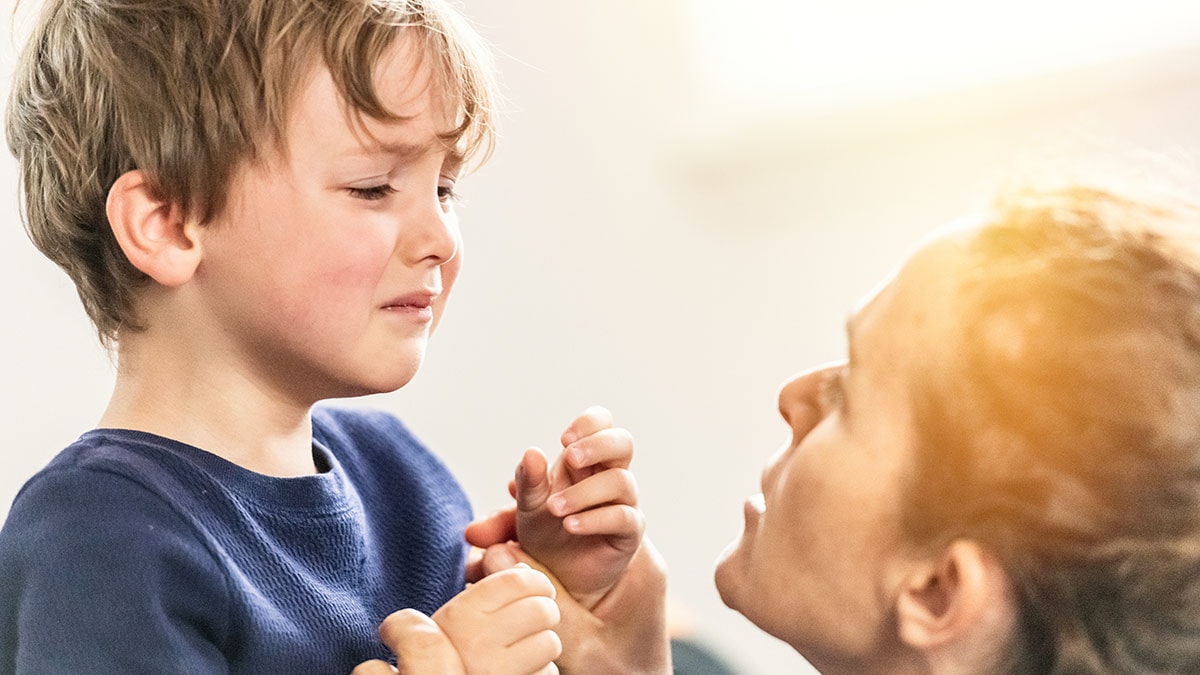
(831, 394)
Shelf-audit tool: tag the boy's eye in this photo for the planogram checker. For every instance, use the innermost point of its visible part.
(373, 193)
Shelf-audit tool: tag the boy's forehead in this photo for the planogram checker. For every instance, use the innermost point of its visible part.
(421, 119)
(405, 77)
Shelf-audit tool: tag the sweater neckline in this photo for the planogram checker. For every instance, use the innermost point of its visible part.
(326, 491)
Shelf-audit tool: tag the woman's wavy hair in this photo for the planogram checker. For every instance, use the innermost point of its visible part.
(1062, 428)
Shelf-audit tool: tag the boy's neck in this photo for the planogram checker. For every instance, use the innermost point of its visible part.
(188, 399)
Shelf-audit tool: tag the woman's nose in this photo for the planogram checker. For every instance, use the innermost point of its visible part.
(799, 398)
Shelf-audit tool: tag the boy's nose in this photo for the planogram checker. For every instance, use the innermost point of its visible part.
(431, 236)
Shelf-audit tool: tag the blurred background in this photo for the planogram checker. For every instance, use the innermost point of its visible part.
(688, 199)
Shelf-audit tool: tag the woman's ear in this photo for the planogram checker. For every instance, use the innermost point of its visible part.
(153, 233)
(959, 596)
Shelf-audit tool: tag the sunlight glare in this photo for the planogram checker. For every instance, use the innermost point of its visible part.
(824, 56)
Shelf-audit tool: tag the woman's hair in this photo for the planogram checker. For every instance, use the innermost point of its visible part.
(185, 91)
(1062, 429)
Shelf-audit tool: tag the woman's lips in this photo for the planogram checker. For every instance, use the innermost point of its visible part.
(756, 505)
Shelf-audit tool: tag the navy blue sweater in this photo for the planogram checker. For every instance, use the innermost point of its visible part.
(133, 553)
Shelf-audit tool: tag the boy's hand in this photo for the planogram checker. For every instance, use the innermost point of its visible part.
(578, 518)
(625, 634)
(502, 625)
(419, 644)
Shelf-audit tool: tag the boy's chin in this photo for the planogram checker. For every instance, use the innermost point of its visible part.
(384, 379)
(392, 374)
(393, 381)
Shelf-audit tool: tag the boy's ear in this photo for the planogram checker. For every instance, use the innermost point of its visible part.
(952, 597)
(153, 233)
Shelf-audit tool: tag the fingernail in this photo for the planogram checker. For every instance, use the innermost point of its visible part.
(557, 504)
(578, 456)
(502, 558)
(522, 566)
(570, 437)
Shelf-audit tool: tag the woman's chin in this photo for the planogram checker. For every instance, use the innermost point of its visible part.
(727, 573)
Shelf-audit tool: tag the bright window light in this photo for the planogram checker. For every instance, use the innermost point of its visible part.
(812, 57)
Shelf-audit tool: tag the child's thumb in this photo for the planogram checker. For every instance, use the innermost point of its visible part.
(532, 481)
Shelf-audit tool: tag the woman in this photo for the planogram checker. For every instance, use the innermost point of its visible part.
(1005, 474)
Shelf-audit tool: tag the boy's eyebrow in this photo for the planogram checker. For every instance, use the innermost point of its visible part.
(404, 151)
(401, 150)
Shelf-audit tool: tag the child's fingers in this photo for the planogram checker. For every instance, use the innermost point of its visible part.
(534, 654)
(374, 667)
(475, 567)
(504, 623)
(612, 447)
(621, 522)
(499, 527)
(419, 644)
(498, 557)
(497, 590)
(614, 486)
(592, 420)
(532, 480)
(524, 617)
(504, 556)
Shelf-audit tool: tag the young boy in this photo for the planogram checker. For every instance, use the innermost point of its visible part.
(254, 200)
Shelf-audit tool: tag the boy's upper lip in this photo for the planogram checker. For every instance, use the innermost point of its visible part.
(422, 298)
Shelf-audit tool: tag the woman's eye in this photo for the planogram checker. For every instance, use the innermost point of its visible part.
(446, 193)
(831, 394)
(373, 193)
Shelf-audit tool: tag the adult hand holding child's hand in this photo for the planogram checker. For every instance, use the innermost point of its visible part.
(579, 518)
(501, 625)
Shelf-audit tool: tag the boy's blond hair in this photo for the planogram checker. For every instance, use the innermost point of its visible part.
(186, 90)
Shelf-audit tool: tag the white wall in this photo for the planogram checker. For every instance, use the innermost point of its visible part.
(621, 252)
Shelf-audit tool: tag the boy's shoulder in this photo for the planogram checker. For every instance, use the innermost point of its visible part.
(114, 476)
(120, 454)
(106, 501)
